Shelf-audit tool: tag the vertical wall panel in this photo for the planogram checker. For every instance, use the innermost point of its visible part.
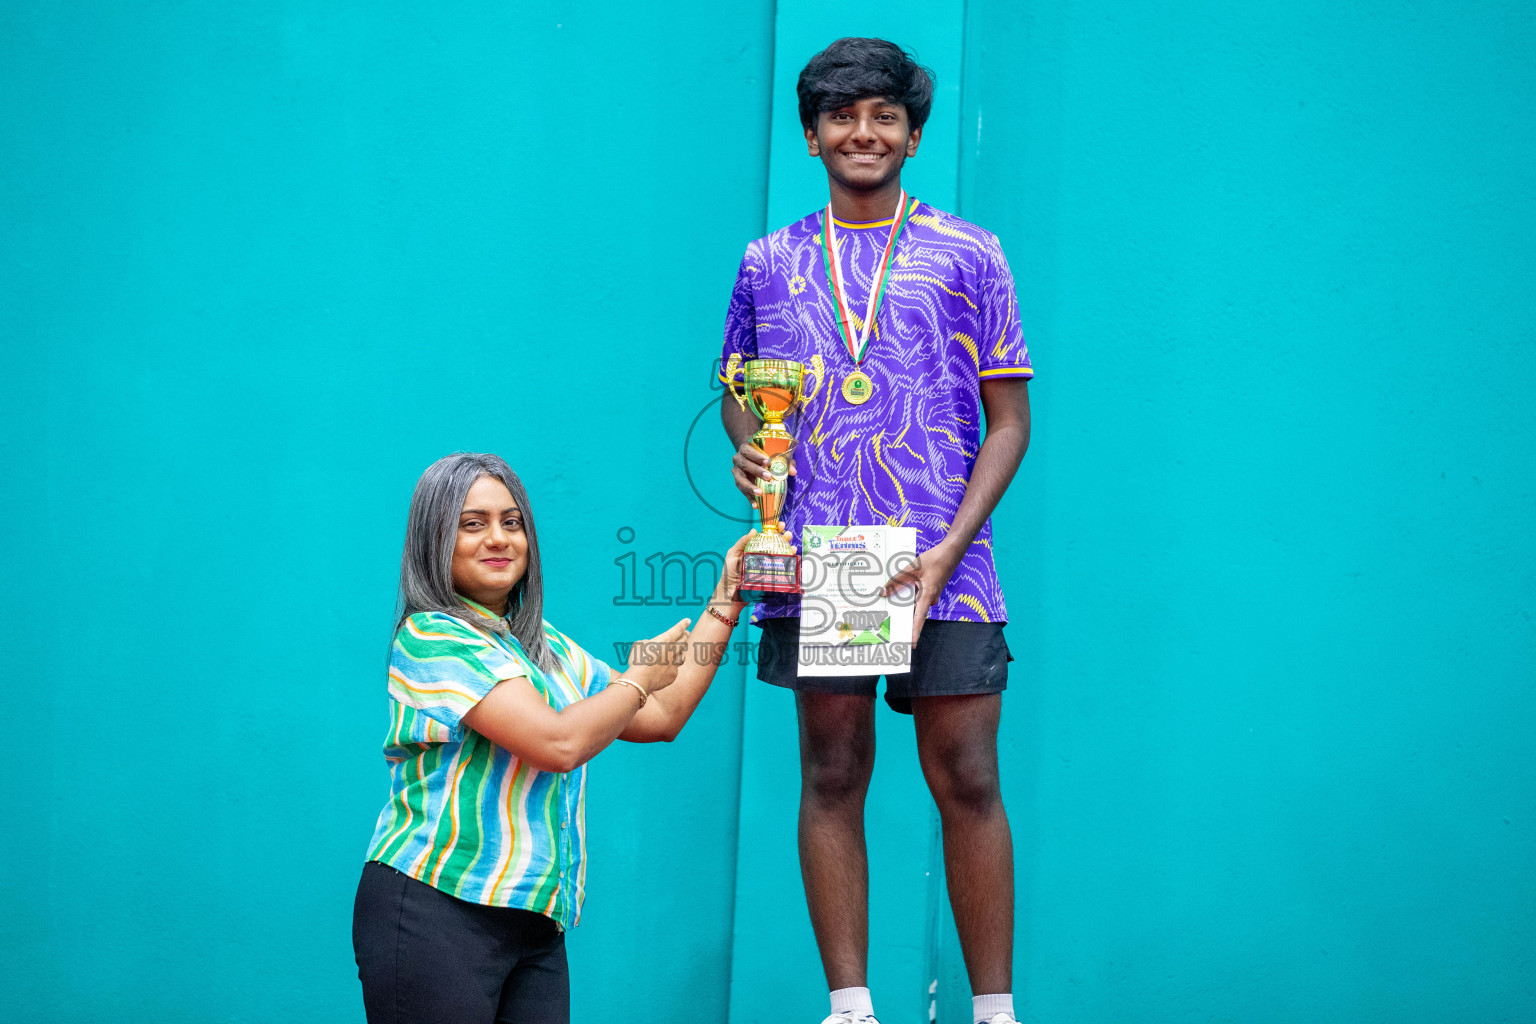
(1275, 262)
(777, 975)
(262, 264)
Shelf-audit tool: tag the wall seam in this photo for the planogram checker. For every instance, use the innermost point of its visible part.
(938, 907)
(741, 730)
(965, 50)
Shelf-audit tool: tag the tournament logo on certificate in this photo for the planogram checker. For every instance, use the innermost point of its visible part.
(847, 628)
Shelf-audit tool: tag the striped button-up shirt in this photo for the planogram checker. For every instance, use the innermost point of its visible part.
(465, 815)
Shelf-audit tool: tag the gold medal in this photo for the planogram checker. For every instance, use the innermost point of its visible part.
(857, 388)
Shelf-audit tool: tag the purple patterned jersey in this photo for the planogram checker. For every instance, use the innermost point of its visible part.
(949, 319)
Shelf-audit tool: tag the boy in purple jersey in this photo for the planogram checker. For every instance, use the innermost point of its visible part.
(893, 437)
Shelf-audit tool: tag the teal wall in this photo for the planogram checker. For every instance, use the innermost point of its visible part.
(1271, 559)
(1274, 561)
(263, 263)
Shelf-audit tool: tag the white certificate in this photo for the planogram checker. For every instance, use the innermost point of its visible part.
(846, 627)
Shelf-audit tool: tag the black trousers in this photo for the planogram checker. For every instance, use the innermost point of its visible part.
(425, 957)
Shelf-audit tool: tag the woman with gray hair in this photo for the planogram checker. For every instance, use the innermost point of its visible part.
(477, 864)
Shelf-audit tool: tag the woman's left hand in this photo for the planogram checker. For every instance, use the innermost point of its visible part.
(669, 711)
(726, 591)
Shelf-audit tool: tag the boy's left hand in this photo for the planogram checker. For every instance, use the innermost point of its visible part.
(928, 573)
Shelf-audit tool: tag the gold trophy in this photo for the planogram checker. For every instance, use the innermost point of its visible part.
(774, 387)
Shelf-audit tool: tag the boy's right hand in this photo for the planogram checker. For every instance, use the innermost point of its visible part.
(749, 465)
(653, 663)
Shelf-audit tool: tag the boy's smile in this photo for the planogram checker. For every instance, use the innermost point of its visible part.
(863, 144)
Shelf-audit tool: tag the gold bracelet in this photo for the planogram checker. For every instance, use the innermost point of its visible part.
(729, 622)
(638, 688)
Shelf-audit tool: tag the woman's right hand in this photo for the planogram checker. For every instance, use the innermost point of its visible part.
(653, 663)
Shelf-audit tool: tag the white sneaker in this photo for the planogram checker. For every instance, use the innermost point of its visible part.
(844, 1018)
(1001, 1018)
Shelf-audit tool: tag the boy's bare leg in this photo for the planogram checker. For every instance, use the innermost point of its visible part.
(957, 746)
(837, 756)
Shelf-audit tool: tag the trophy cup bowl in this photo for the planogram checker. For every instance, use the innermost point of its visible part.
(773, 388)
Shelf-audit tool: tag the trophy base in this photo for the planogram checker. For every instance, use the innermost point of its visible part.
(763, 574)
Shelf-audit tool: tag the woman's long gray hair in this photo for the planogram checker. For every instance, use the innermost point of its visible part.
(432, 530)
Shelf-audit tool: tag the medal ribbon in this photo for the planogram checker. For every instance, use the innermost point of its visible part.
(877, 286)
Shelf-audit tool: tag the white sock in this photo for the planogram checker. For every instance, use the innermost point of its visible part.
(852, 1001)
(984, 1008)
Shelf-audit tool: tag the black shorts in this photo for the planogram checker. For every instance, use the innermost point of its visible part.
(950, 659)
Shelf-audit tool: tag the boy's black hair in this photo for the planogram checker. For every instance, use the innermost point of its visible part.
(853, 68)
